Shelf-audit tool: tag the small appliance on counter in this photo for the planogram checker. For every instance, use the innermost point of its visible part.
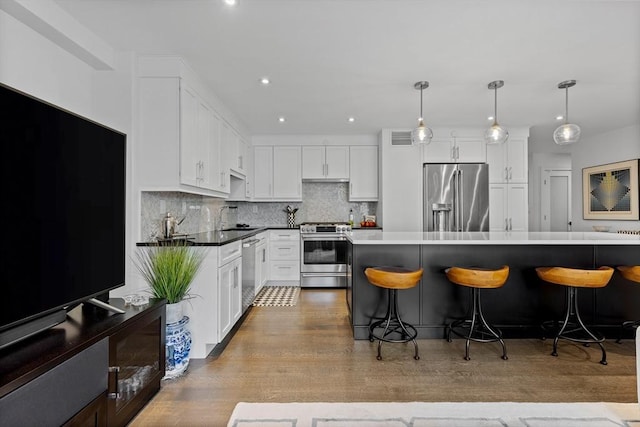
(169, 224)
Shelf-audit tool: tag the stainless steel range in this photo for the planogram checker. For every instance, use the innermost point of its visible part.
(323, 254)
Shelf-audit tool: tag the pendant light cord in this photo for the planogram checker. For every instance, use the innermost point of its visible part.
(566, 105)
(495, 105)
(421, 89)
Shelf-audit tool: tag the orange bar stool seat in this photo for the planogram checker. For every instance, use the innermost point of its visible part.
(476, 328)
(573, 328)
(392, 328)
(632, 274)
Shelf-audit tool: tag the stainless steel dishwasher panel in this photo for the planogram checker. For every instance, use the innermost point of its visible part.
(248, 272)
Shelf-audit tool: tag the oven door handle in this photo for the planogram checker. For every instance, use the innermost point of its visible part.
(330, 237)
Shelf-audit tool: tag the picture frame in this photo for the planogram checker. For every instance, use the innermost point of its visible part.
(610, 191)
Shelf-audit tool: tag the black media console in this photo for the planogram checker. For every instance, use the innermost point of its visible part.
(95, 369)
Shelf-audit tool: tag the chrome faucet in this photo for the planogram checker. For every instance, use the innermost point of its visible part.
(218, 222)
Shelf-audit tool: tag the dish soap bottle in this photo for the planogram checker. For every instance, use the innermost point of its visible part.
(351, 217)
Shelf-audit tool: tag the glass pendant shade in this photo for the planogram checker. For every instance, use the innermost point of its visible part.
(496, 134)
(566, 133)
(421, 134)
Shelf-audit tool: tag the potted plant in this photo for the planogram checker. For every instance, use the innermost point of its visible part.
(169, 270)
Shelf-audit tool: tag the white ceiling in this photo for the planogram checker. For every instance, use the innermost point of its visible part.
(331, 59)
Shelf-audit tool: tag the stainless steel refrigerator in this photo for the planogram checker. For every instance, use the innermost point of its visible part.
(456, 197)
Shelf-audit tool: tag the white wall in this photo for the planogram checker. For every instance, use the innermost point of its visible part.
(36, 64)
(615, 146)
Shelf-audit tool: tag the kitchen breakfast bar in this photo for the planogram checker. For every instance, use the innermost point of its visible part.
(520, 306)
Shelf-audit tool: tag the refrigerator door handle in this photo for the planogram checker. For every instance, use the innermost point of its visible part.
(461, 201)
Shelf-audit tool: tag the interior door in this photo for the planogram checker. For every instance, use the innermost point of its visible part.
(555, 200)
(559, 213)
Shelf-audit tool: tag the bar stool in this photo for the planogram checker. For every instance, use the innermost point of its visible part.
(392, 279)
(631, 273)
(574, 279)
(477, 327)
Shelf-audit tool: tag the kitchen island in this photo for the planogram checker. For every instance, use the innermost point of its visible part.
(520, 306)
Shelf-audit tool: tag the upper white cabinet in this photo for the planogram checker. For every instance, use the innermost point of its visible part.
(235, 150)
(277, 173)
(325, 162)
(363, 173)
(454, 150)
(179, 144)
(508, 162)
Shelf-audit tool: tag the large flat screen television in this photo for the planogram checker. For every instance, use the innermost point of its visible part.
(64, 192)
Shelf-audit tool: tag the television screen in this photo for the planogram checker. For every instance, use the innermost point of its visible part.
(64, 208)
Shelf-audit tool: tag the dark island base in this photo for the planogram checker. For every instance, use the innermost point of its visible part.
(518, 308)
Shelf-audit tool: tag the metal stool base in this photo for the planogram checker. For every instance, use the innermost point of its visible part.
(477, 327)
(630, 324)
(393, 324)
(573, 328)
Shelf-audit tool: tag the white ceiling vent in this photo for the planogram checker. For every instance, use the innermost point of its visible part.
(401, 138)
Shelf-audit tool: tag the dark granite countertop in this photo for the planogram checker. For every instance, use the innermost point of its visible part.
(216, 238)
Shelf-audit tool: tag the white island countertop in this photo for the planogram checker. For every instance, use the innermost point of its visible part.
(377, 237)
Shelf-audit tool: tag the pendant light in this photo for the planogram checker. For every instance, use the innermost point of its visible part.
(496, 134)
(566, 133)
(422, 134)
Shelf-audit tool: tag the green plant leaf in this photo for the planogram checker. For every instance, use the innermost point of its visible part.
(169, 269)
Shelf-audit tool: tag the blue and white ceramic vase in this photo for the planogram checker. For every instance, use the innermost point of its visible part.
(178, 347)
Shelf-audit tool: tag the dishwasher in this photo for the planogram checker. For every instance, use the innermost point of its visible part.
(249, 279)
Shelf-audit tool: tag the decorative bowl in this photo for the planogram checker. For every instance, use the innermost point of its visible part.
(603, 228)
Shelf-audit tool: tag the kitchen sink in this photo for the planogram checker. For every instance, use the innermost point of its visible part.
(241, 229)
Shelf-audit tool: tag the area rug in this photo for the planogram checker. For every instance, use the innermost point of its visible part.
(277, 296)
(440, 414)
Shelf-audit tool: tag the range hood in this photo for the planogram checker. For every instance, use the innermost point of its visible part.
(325, 179)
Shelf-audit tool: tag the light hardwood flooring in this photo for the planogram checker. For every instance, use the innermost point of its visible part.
(307, 353)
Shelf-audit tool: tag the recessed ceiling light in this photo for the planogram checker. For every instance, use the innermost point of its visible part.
(281, 119)
(490, 118)
(265, 81)
(351, 119)
(559, 117)
(230, 2)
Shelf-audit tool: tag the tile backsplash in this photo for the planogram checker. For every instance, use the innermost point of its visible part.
(321, 202)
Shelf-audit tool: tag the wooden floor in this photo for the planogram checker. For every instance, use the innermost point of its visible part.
(307, 353)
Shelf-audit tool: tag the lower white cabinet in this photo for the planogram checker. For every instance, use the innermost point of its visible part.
(284, 255)
(202, 306)
(508, 207)
(229, 289)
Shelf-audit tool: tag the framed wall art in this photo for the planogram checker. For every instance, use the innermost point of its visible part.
(610, 192)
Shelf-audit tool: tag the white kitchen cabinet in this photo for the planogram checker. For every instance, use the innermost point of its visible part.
(277, 173)
(508, 162)
(508, 207)
(235, 150)
(178, 148)
(284, 255)
(202, 309)
(229, 287)
(363, 173)
(325, 162)
(454, 150)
